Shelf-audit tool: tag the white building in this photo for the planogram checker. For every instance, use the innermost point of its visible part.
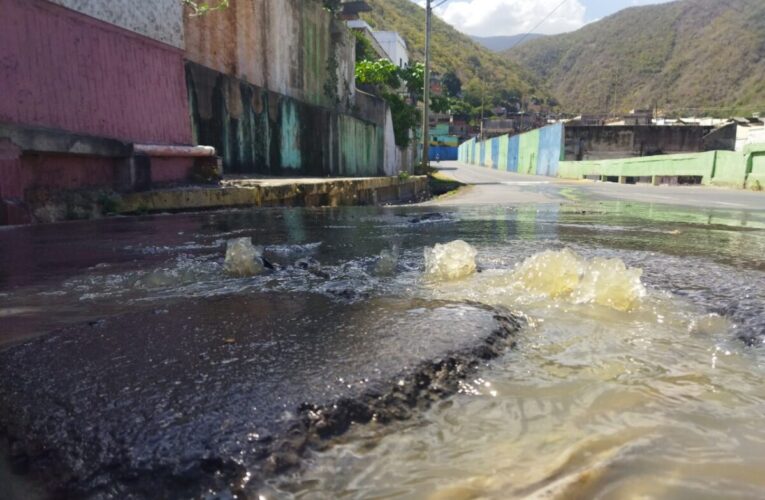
(394, 46)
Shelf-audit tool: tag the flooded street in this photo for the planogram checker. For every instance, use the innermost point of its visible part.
(638, 371)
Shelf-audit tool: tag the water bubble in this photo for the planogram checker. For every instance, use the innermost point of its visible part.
(242, 258)
(452, 261)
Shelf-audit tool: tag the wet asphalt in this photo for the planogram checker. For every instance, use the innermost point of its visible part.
(202, 395)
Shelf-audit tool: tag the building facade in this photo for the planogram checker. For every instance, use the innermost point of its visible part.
(394, 46)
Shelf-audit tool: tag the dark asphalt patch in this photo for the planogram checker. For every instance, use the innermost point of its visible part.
(188, 399)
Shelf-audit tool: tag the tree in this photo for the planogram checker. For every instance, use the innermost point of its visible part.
(380, 73)
(440, 104)
(364, 49)
(388, 79)
(452, 84)
(414, 78)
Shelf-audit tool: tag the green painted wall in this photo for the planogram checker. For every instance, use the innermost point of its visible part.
(504, 143)
(755, 165)
(699, 164)
(528, 151)
(729, 169)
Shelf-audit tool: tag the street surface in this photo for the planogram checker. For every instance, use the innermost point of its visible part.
(493, 187)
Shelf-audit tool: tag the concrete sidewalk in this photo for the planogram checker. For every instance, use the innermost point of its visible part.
(255, 192)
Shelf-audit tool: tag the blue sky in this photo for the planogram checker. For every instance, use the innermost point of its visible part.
(511, 17)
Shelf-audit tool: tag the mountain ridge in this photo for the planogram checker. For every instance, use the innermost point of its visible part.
(503, 43)
(684, 56)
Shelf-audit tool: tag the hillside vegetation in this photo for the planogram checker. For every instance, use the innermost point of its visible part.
(455, 52)
(502, 43)
(685, 57)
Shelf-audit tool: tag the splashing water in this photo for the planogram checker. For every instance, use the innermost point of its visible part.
(563, 275)
(243, 258)
(606, 282)
(449, 262)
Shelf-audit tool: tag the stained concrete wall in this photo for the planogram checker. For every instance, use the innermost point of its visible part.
(258, 131)
(160, 20)
(606, 142)
(291, 47)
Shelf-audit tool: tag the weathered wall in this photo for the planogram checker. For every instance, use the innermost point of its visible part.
(606, 142)
(160, 20)
(292, 47)
(259, 131)
(63, 70)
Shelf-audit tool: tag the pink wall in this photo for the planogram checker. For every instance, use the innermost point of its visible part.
(169, 170)
(61, 69)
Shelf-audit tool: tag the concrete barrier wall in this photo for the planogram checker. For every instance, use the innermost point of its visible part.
(717, 168)
(534, 153)
(696, 165)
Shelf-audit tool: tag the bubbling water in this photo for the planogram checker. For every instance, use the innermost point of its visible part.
(449, 262)
(243, 258)
(561, 275)
(606, 282)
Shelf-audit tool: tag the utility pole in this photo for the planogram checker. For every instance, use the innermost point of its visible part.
(426, 92)
(483, 104)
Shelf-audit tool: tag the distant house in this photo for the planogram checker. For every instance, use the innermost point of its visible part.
(639, 117)
(394, 46)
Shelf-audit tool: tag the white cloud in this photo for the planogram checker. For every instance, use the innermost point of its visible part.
(511, 17)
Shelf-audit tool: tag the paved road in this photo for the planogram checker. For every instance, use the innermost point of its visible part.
(489, 186)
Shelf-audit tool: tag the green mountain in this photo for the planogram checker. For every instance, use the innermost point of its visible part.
(478, 68)
(688, 56)
(502, 43)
